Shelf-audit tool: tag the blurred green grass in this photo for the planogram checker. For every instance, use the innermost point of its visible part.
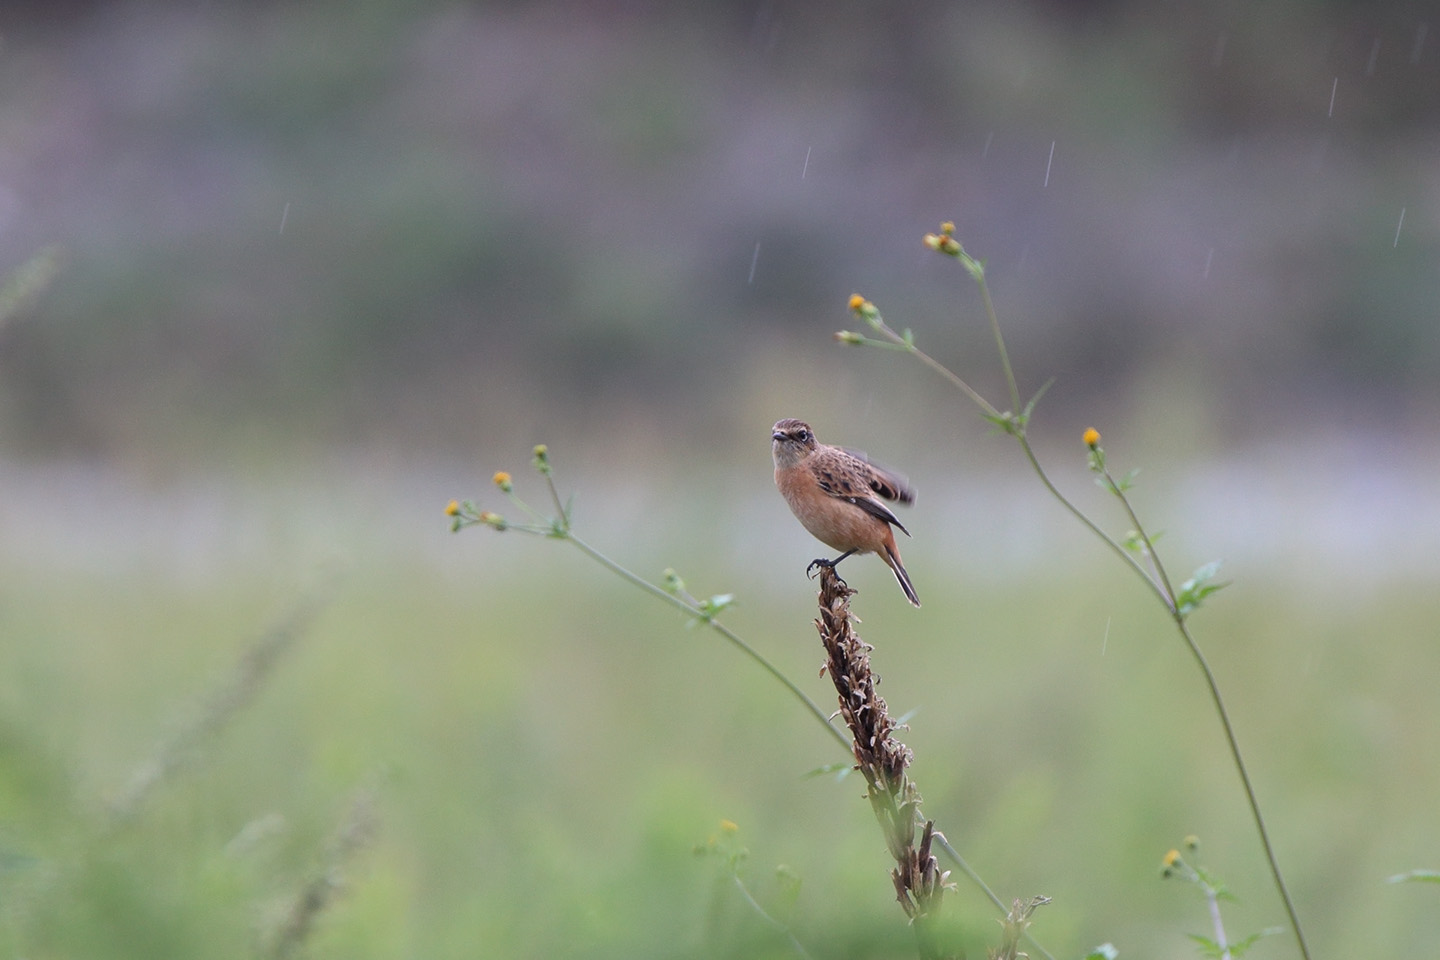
(546, 746)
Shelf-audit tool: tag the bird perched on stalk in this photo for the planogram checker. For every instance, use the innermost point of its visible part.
(837, 494)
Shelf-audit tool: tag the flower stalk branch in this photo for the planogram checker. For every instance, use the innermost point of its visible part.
(1179, 604)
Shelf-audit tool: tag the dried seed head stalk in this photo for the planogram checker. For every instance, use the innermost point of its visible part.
(881, 760)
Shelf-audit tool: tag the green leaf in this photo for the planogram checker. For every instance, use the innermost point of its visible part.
(710, 609)
(841, 769)
(1197, 588)
(1030, 405)
(1416, 876)
(1208, 947)
(1005, 422)
(1238, 948)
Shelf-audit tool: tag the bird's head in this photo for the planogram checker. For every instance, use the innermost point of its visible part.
(791, 440)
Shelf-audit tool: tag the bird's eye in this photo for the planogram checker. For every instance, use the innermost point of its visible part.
(802, 435)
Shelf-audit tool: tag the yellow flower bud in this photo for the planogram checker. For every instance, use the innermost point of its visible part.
(502, 480)
(1091, 438)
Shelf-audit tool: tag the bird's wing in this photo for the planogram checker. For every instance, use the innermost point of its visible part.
(846, 477)
(888, 483)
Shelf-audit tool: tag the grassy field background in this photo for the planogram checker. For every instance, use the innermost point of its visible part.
(537, 747)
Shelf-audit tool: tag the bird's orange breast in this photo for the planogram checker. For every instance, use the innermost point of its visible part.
(836, 523)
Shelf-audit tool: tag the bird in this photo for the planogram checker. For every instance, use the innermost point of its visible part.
(836, 494)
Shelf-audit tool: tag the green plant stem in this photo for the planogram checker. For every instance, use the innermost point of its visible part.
(976, 879)
(945, 372)
(1168, 595)
(1115, 547)
(1245, 782)
(999, 341)
(1159, 584)
(755, 905)
(715, 625)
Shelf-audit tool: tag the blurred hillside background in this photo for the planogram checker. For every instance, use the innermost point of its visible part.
(308, 270)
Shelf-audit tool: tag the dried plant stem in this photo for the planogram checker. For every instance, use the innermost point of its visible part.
(250, 673)
(882, 760)
(354, 833)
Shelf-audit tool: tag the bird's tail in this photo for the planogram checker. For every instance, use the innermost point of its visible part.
(892, 557)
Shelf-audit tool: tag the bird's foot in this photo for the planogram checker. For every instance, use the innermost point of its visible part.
(810, 570)
(827, 565)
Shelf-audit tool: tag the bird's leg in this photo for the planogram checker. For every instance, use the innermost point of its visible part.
(810, 570)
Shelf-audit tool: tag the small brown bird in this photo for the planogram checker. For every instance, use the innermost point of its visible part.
(835, 494)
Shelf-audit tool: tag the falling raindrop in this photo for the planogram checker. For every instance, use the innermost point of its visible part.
(986, 151)
(1048, 162)
(1333, 87)
(284, 215)
(754, 259)
(1209, 256)
(1397, 228)
(807, 163)
(1374, 55)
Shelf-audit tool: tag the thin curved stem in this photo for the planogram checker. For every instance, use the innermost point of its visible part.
(1094, 528)
(1159, 583)
(718, 627)
(999, 342)
(1234, 744)
(976, 879)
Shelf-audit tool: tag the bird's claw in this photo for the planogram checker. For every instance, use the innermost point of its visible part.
(825, 565)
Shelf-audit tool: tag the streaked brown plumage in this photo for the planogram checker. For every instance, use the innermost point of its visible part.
(836, 495)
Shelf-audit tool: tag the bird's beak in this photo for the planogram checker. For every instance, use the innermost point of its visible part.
(777, 436)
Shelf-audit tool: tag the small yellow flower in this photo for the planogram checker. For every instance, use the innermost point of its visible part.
(856, 302)
(1091, 438)
(947, 228)
(1192, 842)
(541, 451)
(729, 826)
(452, 509)
(492, 519)
(502, 480)
(1172, 858)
